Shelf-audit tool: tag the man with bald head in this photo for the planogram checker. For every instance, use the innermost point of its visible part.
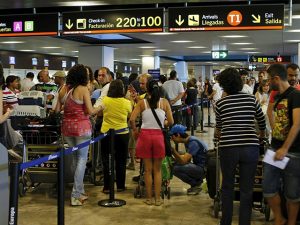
(46, 86)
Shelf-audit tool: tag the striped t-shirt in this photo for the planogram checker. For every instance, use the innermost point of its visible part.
(10, 98)
(235, 118)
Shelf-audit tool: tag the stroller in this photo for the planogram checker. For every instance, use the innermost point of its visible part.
(167, 175)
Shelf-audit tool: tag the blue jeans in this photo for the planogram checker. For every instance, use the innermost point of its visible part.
(79, 160)
(189, 173)
(246, 157)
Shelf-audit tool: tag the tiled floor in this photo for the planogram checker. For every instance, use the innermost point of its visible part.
(39, 207)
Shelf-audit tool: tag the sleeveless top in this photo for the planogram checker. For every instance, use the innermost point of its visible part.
(148, 119)
(75, 121)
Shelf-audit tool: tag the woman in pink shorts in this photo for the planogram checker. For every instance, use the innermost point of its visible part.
(150, 141)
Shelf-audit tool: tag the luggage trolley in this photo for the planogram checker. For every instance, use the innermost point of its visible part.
(39, 141)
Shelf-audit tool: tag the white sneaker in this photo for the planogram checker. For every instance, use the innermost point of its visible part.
(76, 201)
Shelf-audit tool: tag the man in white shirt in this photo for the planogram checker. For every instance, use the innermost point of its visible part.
(104, 77)
(175, 92)
(216, 94)
(27, 83)
(246, 88)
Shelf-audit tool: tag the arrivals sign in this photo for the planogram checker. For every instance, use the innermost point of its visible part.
(113, 21)
(29, 25)
(247, 17)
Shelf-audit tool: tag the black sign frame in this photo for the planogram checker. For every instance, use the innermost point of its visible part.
(230, 17)
(113, 21)
(41, 24)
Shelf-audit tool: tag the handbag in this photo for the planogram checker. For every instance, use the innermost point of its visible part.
(10, 137)
(168, 147)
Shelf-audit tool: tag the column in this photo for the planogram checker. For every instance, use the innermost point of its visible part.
(96, 57)
(148, 63)
(156, 62)
(198, 72)
(182, 71)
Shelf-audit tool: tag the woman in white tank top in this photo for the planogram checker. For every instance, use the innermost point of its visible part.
(150, 141)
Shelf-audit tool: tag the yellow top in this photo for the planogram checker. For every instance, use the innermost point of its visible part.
(115, 113)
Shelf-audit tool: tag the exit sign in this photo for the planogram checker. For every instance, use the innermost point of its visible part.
(222, 54)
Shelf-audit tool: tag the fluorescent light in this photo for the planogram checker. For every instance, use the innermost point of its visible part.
(147, 47)
(27, 50)
(206, 52)
(296, 17)
(81, 3)
(296, 30)
(145, 55)
(135, 59)
(12, 42)
(75, 51)
(248, 49)
(162, 33)
(196, 47)
(51, 47)
(182, 41)
(160, 50)
(253, 52)
(241, 43)
(234, 36)
(292, 41)
(56, 53)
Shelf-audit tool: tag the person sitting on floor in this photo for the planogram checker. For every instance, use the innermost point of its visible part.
(189, 167)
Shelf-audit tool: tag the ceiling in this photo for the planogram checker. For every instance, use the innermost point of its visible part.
(259, 42)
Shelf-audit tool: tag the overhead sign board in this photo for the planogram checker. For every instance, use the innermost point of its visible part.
(113, 21)
(221, 54)
(247, 17)
(29, 25)
(269, 59)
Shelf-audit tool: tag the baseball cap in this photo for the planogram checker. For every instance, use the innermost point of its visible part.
(60, 74)
(177, 129)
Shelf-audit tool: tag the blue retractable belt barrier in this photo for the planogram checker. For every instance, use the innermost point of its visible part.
(67, 151)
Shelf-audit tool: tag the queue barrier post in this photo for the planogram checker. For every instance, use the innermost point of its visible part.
(14, 191)
(61, 188)
(111, 202)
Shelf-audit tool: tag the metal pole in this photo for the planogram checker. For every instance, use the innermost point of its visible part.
(61, 189)
(192, 120)
(14, 191)
(202, 116)
(111, 202)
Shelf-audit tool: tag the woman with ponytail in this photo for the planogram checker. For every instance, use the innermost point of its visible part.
(150, 140)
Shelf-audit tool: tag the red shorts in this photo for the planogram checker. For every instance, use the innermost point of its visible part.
(150, 144)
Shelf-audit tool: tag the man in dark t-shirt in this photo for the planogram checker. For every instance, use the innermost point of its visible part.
(285, 142)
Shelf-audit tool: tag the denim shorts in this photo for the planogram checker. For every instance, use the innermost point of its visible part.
(274, 177)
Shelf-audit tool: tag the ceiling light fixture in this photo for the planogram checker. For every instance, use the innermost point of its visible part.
(295, 31)
(135, 59)
(145, 55)
(50, 47)
(56, 53)
(295, 16)
(162, 33)
(292, 41)
(248, 49)
(253, 52)
(182, 41)
(160, 50)
(196, 47)
(81, 3)
(146, 47)
(234, 36)
(75, 51)
(241, 43)
(27, 50)
(12, 42)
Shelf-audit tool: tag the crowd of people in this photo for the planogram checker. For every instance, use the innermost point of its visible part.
(246, 112)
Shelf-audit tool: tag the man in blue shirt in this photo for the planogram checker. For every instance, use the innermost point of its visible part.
(189, 167)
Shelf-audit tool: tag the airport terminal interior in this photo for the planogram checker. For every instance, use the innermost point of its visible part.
(196, 38)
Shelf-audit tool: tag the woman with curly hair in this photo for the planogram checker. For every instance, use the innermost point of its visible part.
(238, 143)
(76, 125)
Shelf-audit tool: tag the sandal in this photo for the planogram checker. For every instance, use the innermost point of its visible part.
(148, 201)
(158, 202)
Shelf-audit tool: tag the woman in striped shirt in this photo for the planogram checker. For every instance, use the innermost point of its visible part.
(238, 143)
